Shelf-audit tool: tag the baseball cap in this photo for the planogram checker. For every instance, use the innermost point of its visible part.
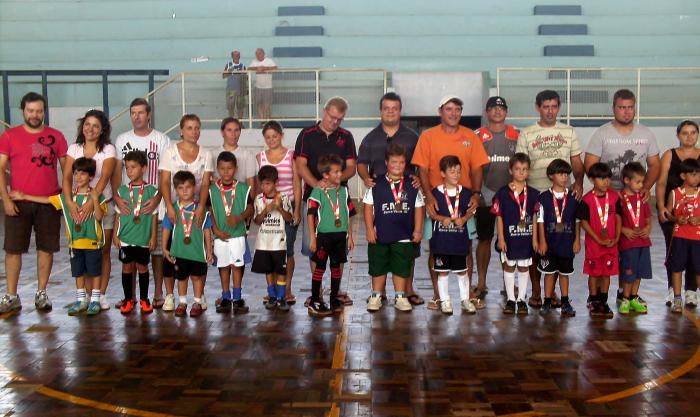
(450, 98)
(496, 101)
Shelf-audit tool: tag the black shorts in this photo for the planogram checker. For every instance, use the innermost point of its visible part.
(185, 267)
(270, 262)
(450, 263)
(86, 262)
(44, 219)
(556, 265)
(485, 223)
(138, 254)
(331, 246)
(684, 253)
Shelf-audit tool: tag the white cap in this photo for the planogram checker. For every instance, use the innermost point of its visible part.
(450, 98)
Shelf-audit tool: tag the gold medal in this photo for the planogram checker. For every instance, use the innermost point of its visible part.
(137, 219)
(337, 223)
(521, 225)
(187, 240)
(78, 228)
(559, 227)
(604, 233)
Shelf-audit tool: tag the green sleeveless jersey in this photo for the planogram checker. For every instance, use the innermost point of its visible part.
(194, 251)
(88, 234)
(239, 205)
(129, 232)
(326, 217)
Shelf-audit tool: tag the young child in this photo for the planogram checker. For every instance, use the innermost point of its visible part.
(598, 215)
(272, 211)
(136, 233)
(684, 204)
(514, 206)
(191, 247)
(330, 212)
(634, 215)
(394, 212)
(450, 242)
(559, 236)
(231, 207)
(85, 239)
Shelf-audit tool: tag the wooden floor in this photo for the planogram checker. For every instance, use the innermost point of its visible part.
(357, 364)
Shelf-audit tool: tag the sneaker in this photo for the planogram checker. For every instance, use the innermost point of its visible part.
(317, 308)
(589, 303)
(546, 309)
(283, 305)
(620, 298)
(567, 310)
(677, 306)
(607, 311)
(203, 303)
(8, 304)
(691, 299)
(336, 306)
(94, 308)
(224, 306)
(479, 303)
(669, 297)
(402, 304)
(119, 303)
(642, 301)
(77, 308)
(468, 306)
(271, 303)
(446, 306)
(127, 307)
(522, 308)
(146, 307)
(104, 304)
(597, 309)
(509, 307)
(41, 301)
(239, 307)
(169, 303)
(637, 307)
(181, 310)
(374, 303)
(624, 307)
(196, 310)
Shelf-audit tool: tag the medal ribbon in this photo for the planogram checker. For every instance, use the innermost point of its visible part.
(635, 217)
(222, 188)
(557, 213)
(75, 200)
(336, 207)
(136, 205)
(603, 215)
(454, 212)
(397, 195)
(186, 226)
(522, 208)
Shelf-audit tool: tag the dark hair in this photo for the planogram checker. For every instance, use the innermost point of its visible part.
(274, 125)
(137, 156)
(189, 117)
(449, 161)
(103, 140)
(326, 161)
(690, 165)
(229, 120)
(226, 156)
(391, 96)
(31, 97)
(182, 177)
(558, 166)
(599, 170)
(394, 149)
(633, 168)
(140, 102)
(86, 165)
(623, 94)
(545, 95)
(268, 173)
(685, 123)
(519, 157)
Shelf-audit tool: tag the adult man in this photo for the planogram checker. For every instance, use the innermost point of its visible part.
(371, 157)
(235, 85)
(544, 142)
(263, 83)
(143, 138)
(448, 138)
(31, 152)
(499, 141)
(622, 141)
(325, 137)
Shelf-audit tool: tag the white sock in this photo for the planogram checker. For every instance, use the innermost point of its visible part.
(463, 281)
(197, 300)
(509, 280)
(183, 299)
(443, 288)
(95, 296)
(523, 278)
(80, 294)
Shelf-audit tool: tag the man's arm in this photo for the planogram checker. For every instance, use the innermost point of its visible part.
(363, 172)
(653, 171)
(304, 171)
(350, 169)
(589, 160)
(577, 168)
(477, 175)
(430, 203)
(8, 205)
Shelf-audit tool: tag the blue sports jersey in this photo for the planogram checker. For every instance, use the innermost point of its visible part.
(518, 241)
(559, 244)
(450, 240)
(394, 225)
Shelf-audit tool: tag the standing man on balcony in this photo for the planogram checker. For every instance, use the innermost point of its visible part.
(32, 151)
(263, 83)
(236, 85)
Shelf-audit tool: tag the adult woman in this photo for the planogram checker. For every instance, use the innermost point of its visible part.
(185, 155)
(670, 178)
(93, 141)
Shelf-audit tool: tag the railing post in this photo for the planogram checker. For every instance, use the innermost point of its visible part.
(250, 99)
(45, 93)
(498, 81)
(568, 97)
(317, 96)
(182, 87)
(151, 101)
(6, 96)
(105, 94)
(639, 93)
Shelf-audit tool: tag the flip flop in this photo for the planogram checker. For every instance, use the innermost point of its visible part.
(434, 304)
(290, 299)
(158, 303)
(535, 302)
(415, 300)
(344, 298)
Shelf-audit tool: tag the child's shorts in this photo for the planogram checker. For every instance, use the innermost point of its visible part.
(552, 264)
(138, 254)
(86, 262)
(270, 262)
(449, 263)
(682, 253)
(635, 263)
(184, 268)
(330, 246)
(396, 258)
(230, 252)
(521, 263)
(603, 266)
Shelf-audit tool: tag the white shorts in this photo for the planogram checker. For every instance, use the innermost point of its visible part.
(522, 263)
(229, 252)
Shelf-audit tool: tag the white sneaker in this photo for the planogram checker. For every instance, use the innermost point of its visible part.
(468, 306)
(691, 299)
(374, 302)
(402, 304)
(446, 306)
(669, 297)
(104, 304)
(169, 303)
(203, 303)
(677, 305)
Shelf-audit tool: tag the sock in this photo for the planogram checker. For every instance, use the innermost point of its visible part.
(376, 293)
(271, 291)
(80, 294)
(236, 293)
(183, 299)
(523, 278)
(603, 296)
(281, 290)
(127, 285)
(95, 296)
(463, 286)
(13, 297)
(548, 301)
(509, 280)
(143, 285)
(316, 280)
(225, 295)
(677, 297)
(564, 299)
(443, 288)
(197, 300)
(336, 274)
(400, 294)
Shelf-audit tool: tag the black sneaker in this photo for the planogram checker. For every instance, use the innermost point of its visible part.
(546, 309)
(509, 308)
(282, 305)
(224, 306)
(522, 308)
(271, 303)
(597, 309)
(607, 312)
(318, 308)
(567, 310)
(336, 306)
(239, 307)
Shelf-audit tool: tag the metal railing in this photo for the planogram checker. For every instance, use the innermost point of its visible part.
(663, 94)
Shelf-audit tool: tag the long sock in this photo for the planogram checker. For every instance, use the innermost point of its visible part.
(444, 288)
(281, 289)
(143, 285)
(80, 294)
(603, 297)
(509, 280)
(336, 274)
(271, 291)
(564, 299)
(463, 281)
(236, 293)
(95, 296)
(523, 278)
(316, 280)
(127, 285)
(183, 299)
(225, 295)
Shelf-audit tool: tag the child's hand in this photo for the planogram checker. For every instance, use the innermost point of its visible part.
(535, 245)
(609, 243)
(166, 254)
(351, 243)
(210, 258)
(371, 235)
(170, 213)
(695, 220)
(460, 221)
(629, 233)
(542, 248)
(117, 242)
(446, 221)
(417, 236)
(502, 245)
(577, 246)
(234, 221)
(16, 195)
(152, 244)
(683, 220)
(312, 244)
(220, 234)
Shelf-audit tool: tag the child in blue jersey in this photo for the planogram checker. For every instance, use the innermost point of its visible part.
(515, 206)
(559, 236)
(450, 242)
